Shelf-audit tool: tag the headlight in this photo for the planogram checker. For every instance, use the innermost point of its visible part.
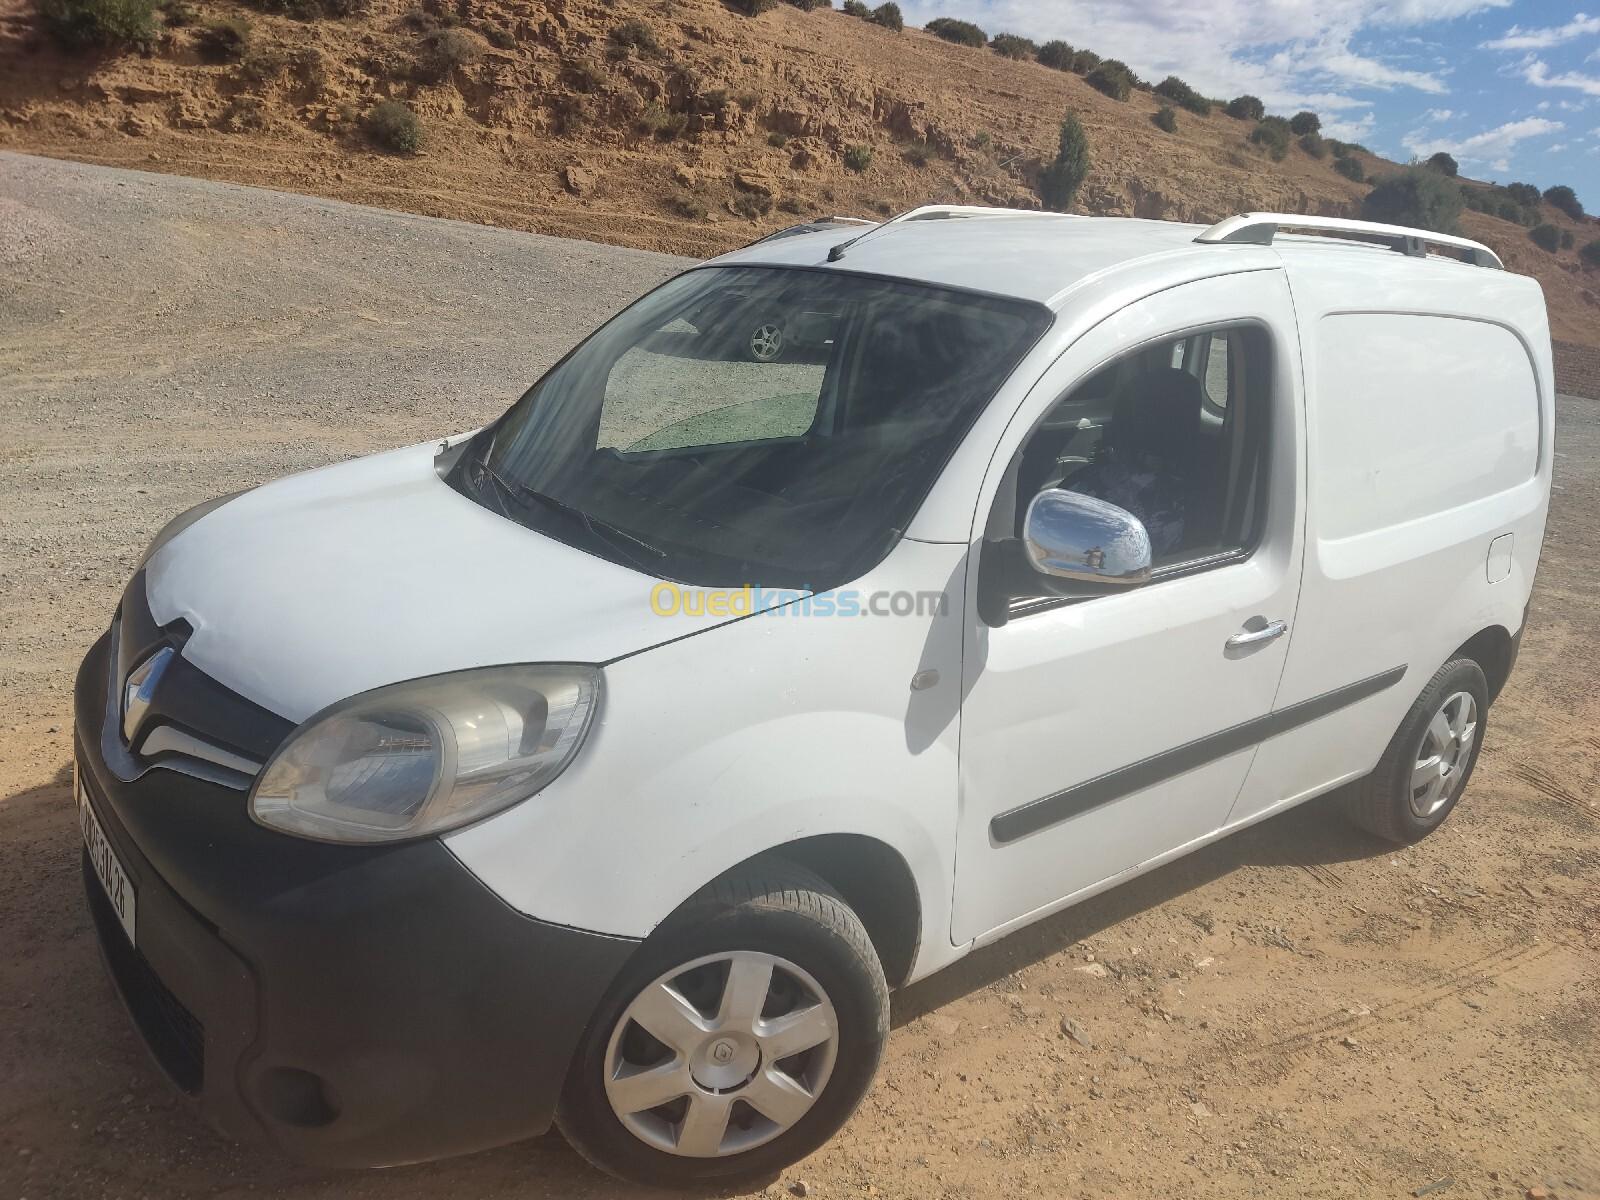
(418, 758)
(181, 522)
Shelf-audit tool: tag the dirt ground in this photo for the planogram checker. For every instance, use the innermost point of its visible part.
(1297, 1011)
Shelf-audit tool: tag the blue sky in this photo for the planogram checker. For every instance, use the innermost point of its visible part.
(1510, 87)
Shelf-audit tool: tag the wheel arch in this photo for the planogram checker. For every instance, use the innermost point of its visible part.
(1494, 649)
(875, 880)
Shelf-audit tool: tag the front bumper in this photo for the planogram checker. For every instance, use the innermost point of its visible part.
(350, 1005)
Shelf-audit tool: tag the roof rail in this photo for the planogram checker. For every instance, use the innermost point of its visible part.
(937, 212)
(1258, 229)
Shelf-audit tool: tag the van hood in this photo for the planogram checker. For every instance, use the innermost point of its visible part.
(312, 588)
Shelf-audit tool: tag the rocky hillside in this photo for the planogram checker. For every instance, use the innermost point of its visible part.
(679, 125)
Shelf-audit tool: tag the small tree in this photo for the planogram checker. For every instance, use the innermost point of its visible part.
(1303, 123)
(394, 127)
(223, 40)
(1591, 253)
(858, 158)
(1272, 135)
(962, 33)
(1351, 169)
(1418, 197)
(1567, 239)
(855, 8)
(1112, 78)
(1523, 193)
(1444, 164)
(1059, 182)
(1246, 108)
(1084, 61)
(1056, 55)
(1011, 45)
(1564, 198)
(1166, 120)
(101, 24)
(1546, 237)
(1180, 93)
(1314, 145)
(889, 16)
(753, 8)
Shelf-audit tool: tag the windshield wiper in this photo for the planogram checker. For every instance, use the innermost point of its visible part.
(598, 528)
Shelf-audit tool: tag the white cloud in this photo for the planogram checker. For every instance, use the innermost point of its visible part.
(1291, 53)
(1350, 131)
(1555, 148)
(1493, 147)
(1438, 114)
(1537, 72)
(1518, 38)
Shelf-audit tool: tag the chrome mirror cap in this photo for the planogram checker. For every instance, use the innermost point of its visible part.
(1071, 536)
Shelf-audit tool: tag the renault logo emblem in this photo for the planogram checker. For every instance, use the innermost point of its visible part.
(140, 687)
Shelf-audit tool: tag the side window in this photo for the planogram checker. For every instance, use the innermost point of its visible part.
(751, 376)
(1179, 442)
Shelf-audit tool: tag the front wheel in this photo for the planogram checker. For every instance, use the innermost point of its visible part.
(738, 1040)
(1425, 769)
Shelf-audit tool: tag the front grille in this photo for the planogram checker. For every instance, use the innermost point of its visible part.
(174, 1034)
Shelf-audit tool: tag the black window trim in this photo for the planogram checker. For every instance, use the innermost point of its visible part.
(1034, 605)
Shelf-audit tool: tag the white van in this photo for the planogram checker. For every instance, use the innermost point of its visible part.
(841, 606)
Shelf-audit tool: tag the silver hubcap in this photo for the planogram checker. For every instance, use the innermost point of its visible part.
(721, 1054)
(766, 343)
(1445, 751)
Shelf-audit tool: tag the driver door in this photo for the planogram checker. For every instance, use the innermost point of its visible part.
(1103, 732)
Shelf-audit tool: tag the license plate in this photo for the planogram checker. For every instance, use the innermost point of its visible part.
(119, 889)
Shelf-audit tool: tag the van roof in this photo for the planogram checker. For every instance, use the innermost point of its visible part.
(1040, 256)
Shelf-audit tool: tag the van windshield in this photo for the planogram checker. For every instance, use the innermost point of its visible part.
(751, 424)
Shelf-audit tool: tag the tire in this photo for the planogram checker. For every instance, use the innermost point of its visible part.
(765, 342)
(770, 914)
(1399, 800)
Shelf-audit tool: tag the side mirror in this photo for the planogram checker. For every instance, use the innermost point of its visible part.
(1077, 537)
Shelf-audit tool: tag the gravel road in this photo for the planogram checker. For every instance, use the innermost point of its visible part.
(1296, 1011)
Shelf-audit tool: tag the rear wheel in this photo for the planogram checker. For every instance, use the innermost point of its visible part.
(739, 1039)
(1423, 772)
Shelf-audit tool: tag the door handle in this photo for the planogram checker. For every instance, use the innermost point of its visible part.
(1255, 637)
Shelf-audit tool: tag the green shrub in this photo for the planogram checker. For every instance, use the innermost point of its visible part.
(962, 33)
(1012, 45)
(982, 139)
(1084, 61)
(690, 207)
(1056, 55)
(311, 10)
(1567, 239)
(1444, 164)
(101, 24)
(889, 16)
(855, 8)
(858, 158)
(1418, 197)
(778, 138)
(1314, 145)
(445, 50)
(1564, 198)
(918, 154)
(1059, 182)
(633, 36)
(1351, 169)
(662, 123)
(1546, 237)
(1166, 120)
(811, 5)
(226, 40)
(1112, 78)
(1524, 193)
(753, 8)
(394, 126)
(751, 205)
(1272, 135)
(178, 13)
(1246, 108)
(1180, 93)
(1303, 123)
(1591, 253)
